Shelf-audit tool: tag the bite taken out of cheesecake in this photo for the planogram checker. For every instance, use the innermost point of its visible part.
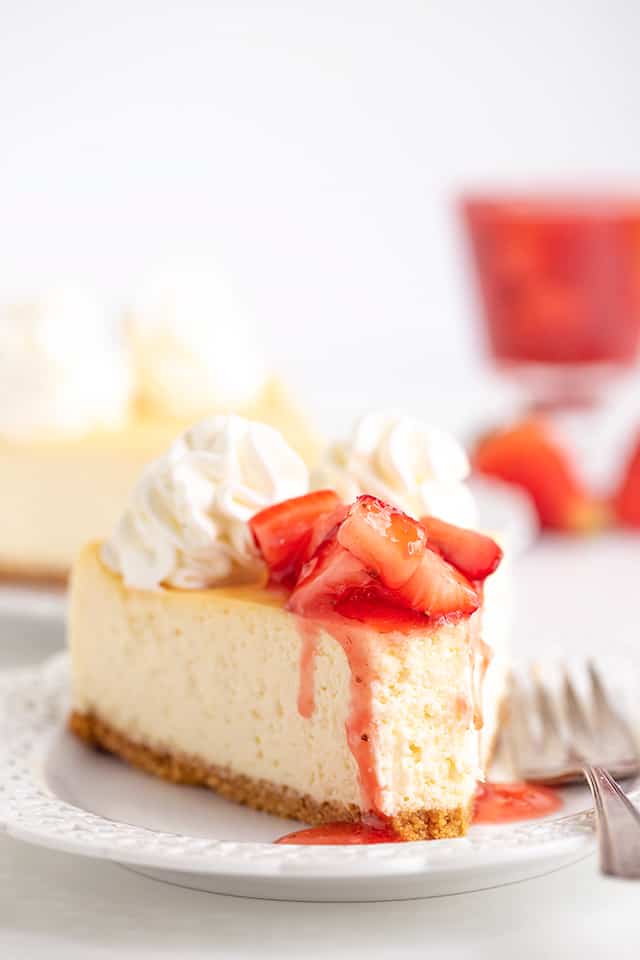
(316, 659)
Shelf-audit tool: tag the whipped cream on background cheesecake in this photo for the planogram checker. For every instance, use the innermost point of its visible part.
(195, 349)
(63, 368)
(309, 697)
(82, 411)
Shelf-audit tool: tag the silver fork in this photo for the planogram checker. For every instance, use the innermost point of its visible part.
(560, 738)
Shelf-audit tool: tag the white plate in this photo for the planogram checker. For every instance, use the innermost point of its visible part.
(57, 793)
(34, 603)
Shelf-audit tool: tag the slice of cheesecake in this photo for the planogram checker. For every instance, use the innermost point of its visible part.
(358, 683)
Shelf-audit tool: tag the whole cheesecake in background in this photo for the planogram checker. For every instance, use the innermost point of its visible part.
(65, 395)
(79, 418)
(310, 657)
(194, 348)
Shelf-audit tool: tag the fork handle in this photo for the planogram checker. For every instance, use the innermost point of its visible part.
(618, 825)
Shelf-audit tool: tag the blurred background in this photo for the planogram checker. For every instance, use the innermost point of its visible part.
(315, 149)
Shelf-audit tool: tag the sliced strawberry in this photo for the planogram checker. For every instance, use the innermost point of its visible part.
(627, 500)
(381, 609)
(438, 590)
(283, 531)
(528, 456)
(472, 553)
(325, 525)
(386, 540)
(331, 572)
(376, 561)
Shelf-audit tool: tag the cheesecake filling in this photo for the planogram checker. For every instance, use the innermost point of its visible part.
(204, 688)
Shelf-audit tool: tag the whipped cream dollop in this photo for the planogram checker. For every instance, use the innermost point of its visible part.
(417, 467)
(195, 350)
(63, 367)
(186, 524)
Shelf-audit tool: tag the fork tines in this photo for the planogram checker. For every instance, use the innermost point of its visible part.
(553, 731)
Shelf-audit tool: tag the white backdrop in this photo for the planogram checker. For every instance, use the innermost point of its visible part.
(315, 147)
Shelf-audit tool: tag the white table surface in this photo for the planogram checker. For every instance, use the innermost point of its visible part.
(57, 906)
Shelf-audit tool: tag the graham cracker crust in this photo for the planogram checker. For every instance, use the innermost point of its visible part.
(259, 794)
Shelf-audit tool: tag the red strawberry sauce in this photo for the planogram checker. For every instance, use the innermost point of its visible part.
(340, 834)
(504, 802)
(357, 646)
(495, 803)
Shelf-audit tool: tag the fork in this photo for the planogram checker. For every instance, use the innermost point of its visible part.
(561, 738)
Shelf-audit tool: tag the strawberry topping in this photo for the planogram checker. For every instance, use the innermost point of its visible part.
(283, 532)
(331, 572)
(325, 526)
(371, 562)
(438, 590)
(380, 609)
(384, 539)
(472, 553)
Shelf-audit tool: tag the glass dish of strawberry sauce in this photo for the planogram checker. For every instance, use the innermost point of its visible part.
(559, 284)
